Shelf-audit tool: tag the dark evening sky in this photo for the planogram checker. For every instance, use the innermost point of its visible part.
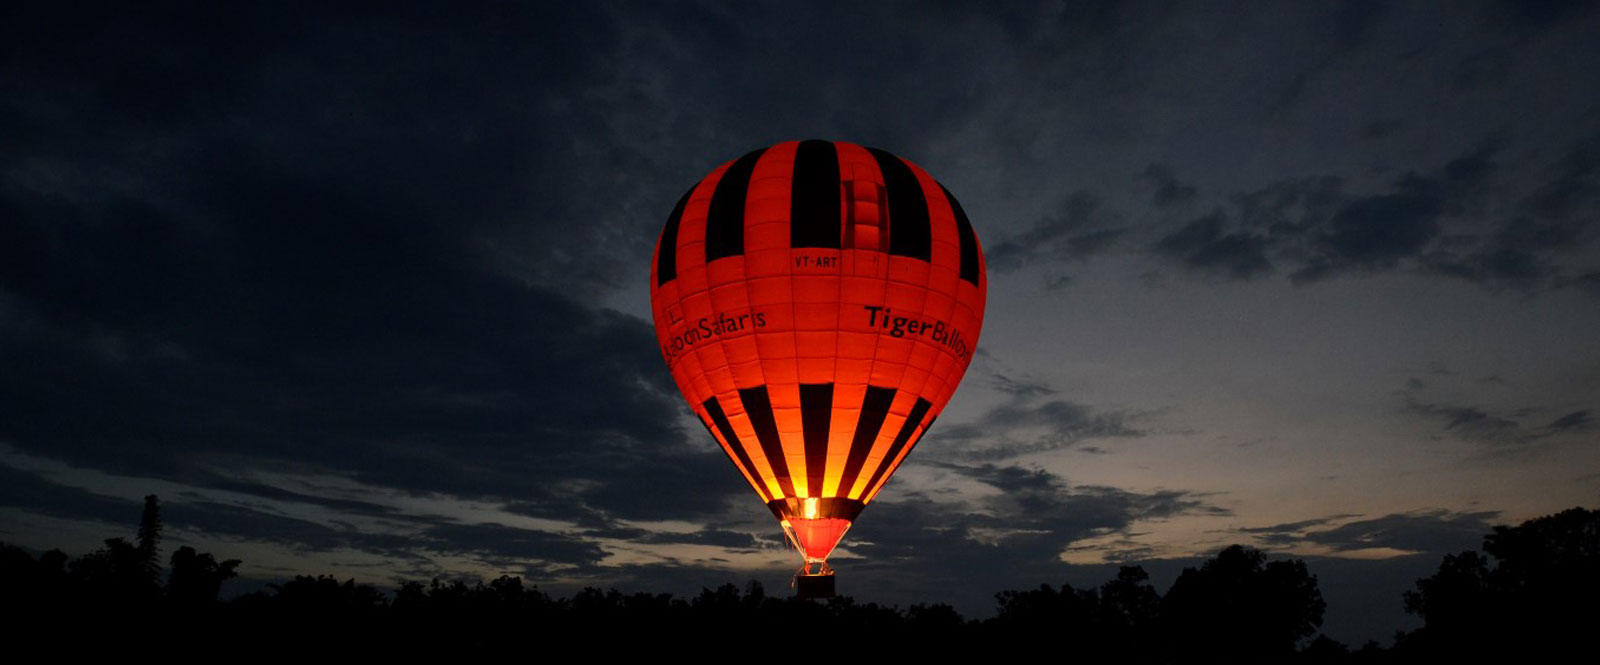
(366, 293)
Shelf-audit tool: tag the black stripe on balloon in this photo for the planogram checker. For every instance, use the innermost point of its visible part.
(969, 240)
(714, 410)
(910, 427)
(909, 230)
(725, 220)
(667, 255)
(874, 408)
(814, 201)
(816, 415)
(758, 406)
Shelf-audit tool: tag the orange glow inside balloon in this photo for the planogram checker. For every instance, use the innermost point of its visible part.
(817, 303)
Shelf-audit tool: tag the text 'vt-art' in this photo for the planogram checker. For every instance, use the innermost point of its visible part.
(817, 303)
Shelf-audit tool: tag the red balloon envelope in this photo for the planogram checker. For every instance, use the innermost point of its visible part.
(817, 303)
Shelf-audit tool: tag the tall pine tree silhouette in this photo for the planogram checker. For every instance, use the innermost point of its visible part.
(150, 540)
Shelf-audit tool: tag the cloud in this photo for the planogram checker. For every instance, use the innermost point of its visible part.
(30, 492)
(1380, 129)
(1204, 246)
(1373, 232)
(1288, 533)
(1553, 220)
(1377, 232)
(1023, 427)
(1337, 31)
(1010, 538)
(1506, 431)
(339, 504)
(1483, 69)
(1470, 423)
(241, 266)
(418, 537)
(1285, 209)
(1168, 190)
(507, 546)
(40, 494)
(1436, 531)
(1030, 421)
(1436, 222)
(1589, 283)
(1513, 16)
(1078, 231)
(1577, 420)
(1021, 387)
(260, 523)
(1040, 497)
(1431, 531)
(1573, 186)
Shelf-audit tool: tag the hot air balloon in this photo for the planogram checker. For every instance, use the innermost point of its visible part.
(817, 303)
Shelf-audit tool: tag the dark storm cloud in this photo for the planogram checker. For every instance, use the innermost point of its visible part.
(1079, 230)
(222, 252)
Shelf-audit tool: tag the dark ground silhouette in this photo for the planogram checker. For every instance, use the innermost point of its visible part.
(1529, 595)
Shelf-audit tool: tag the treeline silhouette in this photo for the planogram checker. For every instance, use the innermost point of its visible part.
(1530, 594)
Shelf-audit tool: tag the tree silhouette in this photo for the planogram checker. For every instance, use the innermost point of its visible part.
(1534, 594)
(196, 578)
(115, 574)
(1115, 621)
(149, 538)
(1129, 609)
(1526, 598)
(1238, 607)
